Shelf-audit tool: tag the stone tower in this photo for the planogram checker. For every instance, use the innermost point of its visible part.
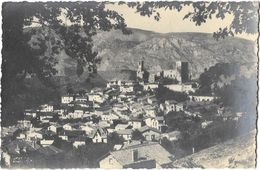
(182, 68)
(140, 70)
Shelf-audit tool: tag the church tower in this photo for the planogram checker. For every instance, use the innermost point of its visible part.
(140, 70)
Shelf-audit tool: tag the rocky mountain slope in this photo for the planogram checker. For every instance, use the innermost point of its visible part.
(160, 51)
(239, 152)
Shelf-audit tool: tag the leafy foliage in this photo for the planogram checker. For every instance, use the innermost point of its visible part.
(163, 93)
(210, 78)
(114, 139)
(36, 48)
(137, 135)
(245, 14)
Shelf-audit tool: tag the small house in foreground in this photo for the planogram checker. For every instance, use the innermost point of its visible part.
(151, 155)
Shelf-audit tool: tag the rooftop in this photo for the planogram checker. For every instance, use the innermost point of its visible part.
(125, 132)
(146, 128)
(149, 151)
(49, 150)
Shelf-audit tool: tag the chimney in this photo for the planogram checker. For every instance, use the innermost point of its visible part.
(135, 155)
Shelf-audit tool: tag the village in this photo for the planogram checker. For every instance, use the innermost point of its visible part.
(132, 118)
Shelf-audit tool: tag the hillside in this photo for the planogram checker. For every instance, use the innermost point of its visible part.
(122, 52)
(239, 152)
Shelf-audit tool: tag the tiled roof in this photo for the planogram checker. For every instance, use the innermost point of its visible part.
(159, 118)
(101, 131)
(122, 126)
(124, 132)
(49, 150)
(149, 151)
(146, 128)
(11, 147)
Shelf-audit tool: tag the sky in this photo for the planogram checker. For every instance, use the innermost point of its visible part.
(172, 21)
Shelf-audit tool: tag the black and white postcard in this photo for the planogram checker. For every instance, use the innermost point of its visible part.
(129, 84)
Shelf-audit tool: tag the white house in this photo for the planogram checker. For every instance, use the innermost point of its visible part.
(157, 122)
(126, 89)
(79, 141)
(179, 107)
(172, 105)
(135, 123)
(121, 126)
(205, 124)
(21, 136)
(83, 104)
(68, 126)
(150, 112)
(30, 113)
(181, 87)
(96, 98)
(66, 99)
(81, 98)
(172, 136)
(109, 117)
(104, 124)
(172, 74)
(55, 128)
(152, 100)
(98, 135)
(114, 83)
(150, 133)
(78, 113)
(46, 108)
(33, 135)
(142, 156)
(202, 98)
(46, 142)
(63, 136)
(24, 124)
(6, 158)
(125, 133)
(150, 86)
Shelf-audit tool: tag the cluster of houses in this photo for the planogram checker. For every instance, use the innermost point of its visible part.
(122, 108)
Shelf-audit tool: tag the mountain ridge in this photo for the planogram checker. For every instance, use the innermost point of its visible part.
(160, 51)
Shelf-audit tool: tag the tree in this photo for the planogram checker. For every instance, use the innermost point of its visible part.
(82, 92)
(245, 14)
(64, 145)
(95, 118)
(137, 135)
(114, 139)
(36, 48)
(211, 77)
(163, 93)
(70, 89)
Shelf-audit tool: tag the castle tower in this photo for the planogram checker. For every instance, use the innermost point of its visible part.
(141, 65)
(140, 70)
(182, 68)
